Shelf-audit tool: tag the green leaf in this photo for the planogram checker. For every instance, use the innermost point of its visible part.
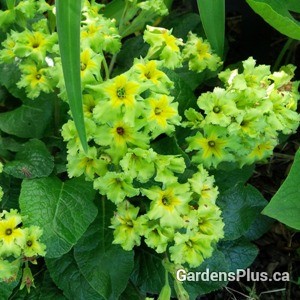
(276, 13)
(182, 24)
(64, 268)
(29, 120)
(32, 161)
(182, 92)
(240, 206)
(239, 253)
(285, 204)
(6, 289)
(131, 292)
(293, 5)
(105, 266)
(226, 179)
(68, 16)
(212, 14)
(64, 210)
(260, 226)
(216, 263)
(11, 192)
(148, 274)
(9, 75)
(168, 146)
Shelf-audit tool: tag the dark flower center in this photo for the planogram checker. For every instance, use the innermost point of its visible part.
(38, 76)
(120, 131)
(29, 243)
(216, 109)
(82, 66)
(157, 111)
(211, 143)
(8, 231)
(121, 93)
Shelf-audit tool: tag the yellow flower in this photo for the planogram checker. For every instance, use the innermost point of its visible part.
(32, 245)
(9, 233)
(202, 50)
(34, 79)
(161, 110)
(149, 71)
(121, 91)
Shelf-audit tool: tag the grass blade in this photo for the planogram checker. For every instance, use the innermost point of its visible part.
(212, 14)
(68, 13)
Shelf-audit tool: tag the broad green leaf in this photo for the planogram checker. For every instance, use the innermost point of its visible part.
(9, 76)
(240, 206)
(216, 263)
(285, 204)
(11, 192)
(212, 14)
(68, 16)
(126, 55)
(105, 266)
(32, 161)
(6, 289)
(132, 293)
(228, 178)
(168, 146)
(64, 210)
(239, 253)
(44, 289)
(29, 120)
(293, 5)
(182, 24)
(64, 268)
(260, 226)
(182, 92)
(276, 13)
(148, 274)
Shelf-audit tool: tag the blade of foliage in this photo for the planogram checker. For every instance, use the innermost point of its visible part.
(239, 253)
(6, 289)
(64, 268)
(215, 263)
(293, 5)
(68, 13)
(148, 273)
(285, 204)
(64, 210)
(105, 266)
(277, 15)
(29, 120)
(212, 14)
(32, 161)
(240, 206)
(44, 289)
(11, 192)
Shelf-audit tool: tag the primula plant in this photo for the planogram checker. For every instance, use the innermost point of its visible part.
(143, 173)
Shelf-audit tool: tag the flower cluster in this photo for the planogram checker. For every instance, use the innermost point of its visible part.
(165, 46)
(241, 122)
(35, 50)
(18, 244)
(123, 116)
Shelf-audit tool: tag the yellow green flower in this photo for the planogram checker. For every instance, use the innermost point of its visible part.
(162, 115)
(121, 91)
(116, 186)
(199, 54)
(87, 163)
(213, 146)
(32, 246)
(168, 204)
(90, 63)
(191, 248)
(35, 79)
(126, 225)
